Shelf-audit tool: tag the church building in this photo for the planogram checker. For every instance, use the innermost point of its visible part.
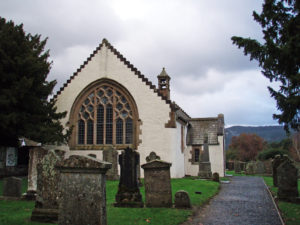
(111, 104)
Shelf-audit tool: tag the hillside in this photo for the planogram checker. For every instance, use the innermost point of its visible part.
(269, 133)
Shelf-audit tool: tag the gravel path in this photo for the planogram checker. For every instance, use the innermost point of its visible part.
(244, 201)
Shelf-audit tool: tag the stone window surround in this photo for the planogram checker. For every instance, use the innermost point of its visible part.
(192, 152)
(73, 121)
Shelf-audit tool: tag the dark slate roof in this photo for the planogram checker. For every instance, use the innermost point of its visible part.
(200, 128)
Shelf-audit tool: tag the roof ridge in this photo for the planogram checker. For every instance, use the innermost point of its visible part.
(124, 60)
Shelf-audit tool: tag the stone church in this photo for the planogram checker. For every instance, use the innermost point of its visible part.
(111, 104)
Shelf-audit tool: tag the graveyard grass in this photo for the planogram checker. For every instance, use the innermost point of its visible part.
(289, 211)
(19, 212)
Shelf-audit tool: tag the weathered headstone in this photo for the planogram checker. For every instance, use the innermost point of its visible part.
(237, 167)
(250, 168)
(36, 156)
(152, 156)
(259, 167)
(182, 200)
(157, 182)
(46, 204)
(216, 177)
(275, 163)
(128, 194)
(243, 166)
(204, 163)
(111, 156)
(82, 191)
(287, 181)
(12, 187)
(268, 166)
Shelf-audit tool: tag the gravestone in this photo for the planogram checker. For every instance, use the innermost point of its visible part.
(12, 187)
(128, 194)
(182, 200)
(204, 163)
(250, 168)
(259, 167)
(111, 156)
(268, 166)
(46, 204)
(36, 156)
(275, 163)
(287, 175)
(152, 156)
(243, 166)
(157, 183)
(82, 191)
(237, 167)
(216, 177)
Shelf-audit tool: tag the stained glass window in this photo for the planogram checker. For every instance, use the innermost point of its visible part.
(81, 132)
(105, 116)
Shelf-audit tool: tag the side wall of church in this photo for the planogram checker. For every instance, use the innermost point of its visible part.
(216, 157)
(153, 111)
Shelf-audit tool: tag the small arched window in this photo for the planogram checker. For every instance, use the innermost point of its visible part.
(104, 115)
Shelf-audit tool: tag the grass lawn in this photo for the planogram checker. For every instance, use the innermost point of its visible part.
(19, 212)
(289, 211)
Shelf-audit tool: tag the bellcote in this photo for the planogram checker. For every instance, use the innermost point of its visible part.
(164, 83)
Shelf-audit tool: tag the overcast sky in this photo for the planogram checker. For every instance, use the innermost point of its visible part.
(190, 38)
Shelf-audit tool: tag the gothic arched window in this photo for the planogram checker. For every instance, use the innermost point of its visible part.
(103, 115)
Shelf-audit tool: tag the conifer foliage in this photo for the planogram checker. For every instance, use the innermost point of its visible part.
(24, 107)
(279, 55)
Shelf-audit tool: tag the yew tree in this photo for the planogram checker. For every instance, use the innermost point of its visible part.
(246, 146)
(24, 107)
(279, 56)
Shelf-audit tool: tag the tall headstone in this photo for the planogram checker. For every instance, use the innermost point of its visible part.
(204, 163)
(82, 191)
(287, 175)
(111, 156)
(237, 167)
(182, 200)
(36, 155)
(12, 187)
(46, 204)
(276, 162)
(157, 182)
(128, 194)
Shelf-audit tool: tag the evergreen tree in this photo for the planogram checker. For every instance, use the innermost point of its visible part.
(24, 107)
(279, 55)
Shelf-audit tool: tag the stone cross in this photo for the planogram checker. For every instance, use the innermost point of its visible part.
(46, 204)
(12, 187)
(204, 163)
(128, 194)
(287, 175)
(157, 182)
(111, 155)
(82, 190)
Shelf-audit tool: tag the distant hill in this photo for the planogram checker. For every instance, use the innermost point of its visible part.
(269, 133)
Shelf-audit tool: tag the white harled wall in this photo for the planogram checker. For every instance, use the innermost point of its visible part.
(216, 157)
(153, 111)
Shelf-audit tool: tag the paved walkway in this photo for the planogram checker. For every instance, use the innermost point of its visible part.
(244, 201)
